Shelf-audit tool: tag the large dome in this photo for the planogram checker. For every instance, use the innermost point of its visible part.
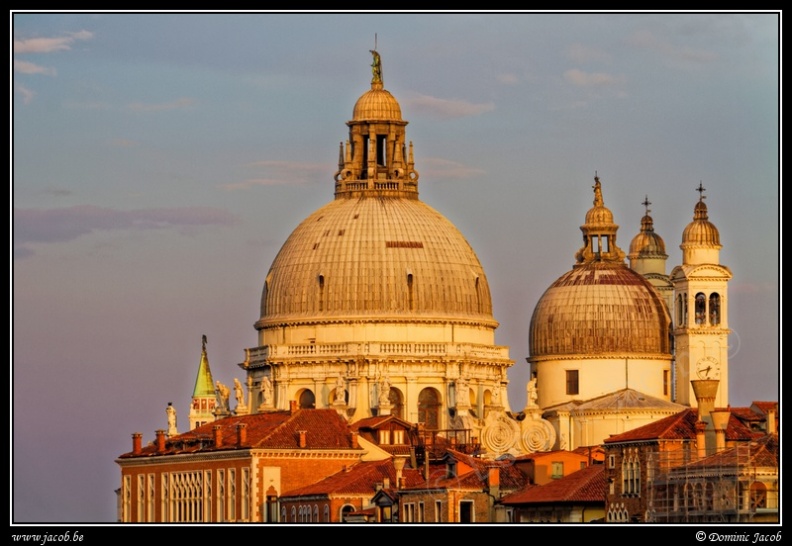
(599, 309)
(367, 258)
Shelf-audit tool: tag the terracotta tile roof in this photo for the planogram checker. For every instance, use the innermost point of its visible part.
(762, 452)
(360, 479)
(765, 407)
(747, 414)
(324, 429)
(619, 400)
(681, 426)
(585, 485)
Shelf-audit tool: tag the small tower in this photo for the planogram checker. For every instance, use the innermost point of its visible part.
(204, 398)
(701, 328)
(648, 257)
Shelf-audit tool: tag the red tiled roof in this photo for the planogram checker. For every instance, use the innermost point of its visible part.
(765, 407)
(747, 414)
(585, 485)
(681, 426)
(324, 429)
(762, 452)
(362, 478)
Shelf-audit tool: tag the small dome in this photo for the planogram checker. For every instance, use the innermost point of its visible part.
(600, 308)
(647, 243)
(377, 104)
(701, 231)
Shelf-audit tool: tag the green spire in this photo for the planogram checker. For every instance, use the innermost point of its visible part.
(204, 385)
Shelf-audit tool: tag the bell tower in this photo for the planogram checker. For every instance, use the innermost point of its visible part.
(700, 321)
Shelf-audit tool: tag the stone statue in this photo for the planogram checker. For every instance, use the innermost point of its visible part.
(171, 412)
(384, 391)
(462, 391)
(266, 391)
(240, 397)
(532, 394)
(339, 393)
(376, 67)
(224, 393)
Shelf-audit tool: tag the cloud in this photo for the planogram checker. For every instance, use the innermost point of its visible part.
(184, 102)
(282, 173)
(66, 224)
(508, 79)
(435, 167)
(59, 192)
(27, 94)
(647, 40)
(425, 105)
(124, 143)
(591, 79)
(50, 45)
(580, 53)
(30, 68)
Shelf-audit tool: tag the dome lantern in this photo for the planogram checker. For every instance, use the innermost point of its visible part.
(599, 233)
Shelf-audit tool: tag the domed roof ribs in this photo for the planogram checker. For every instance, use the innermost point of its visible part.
(599, 233)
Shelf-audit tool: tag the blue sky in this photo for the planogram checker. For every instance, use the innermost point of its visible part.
(160, 161)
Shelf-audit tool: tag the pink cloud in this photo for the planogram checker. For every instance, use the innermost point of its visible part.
(446, 108)
(25, 67)
(49, 45)
(65, 224)
(184, 102)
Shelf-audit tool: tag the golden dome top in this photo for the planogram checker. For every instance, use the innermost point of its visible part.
(701, 231)
(602, 309)
(647, 244)
(376, 104)
(599, 232)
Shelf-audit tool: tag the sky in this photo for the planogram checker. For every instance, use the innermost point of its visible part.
(159, 161)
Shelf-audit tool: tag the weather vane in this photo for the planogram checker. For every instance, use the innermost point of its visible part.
(701, 190)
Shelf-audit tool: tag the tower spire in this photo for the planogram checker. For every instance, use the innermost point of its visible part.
(204, 398)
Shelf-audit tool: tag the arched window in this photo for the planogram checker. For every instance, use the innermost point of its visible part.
(410, 297)
(326, 516)
(283, 515)
(701, 308)
(429, 408)
(397, 402)
(294, 514)
(714, 309)
(307, 399)
(679, 311)
(315, 514)
(758, 496)
(345, 510)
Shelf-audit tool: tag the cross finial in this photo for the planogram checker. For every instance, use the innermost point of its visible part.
(701, 191)
(646, 204)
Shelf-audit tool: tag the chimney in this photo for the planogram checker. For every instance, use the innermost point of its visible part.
(772, 427)
(160, 440)
(398, 464)
(303, 441)
(241, 434)
(136, 443)
(354, 440)
(218, 436)
(720, 420)
(705, 391)
(292, 406)
(386, 482)
(701, 439)
(493, 481)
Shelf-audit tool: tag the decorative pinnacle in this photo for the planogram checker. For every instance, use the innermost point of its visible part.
(701, 191)
(646, 204)
(598, 201)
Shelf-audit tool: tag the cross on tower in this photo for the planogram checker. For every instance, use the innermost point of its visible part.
(701, 191)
